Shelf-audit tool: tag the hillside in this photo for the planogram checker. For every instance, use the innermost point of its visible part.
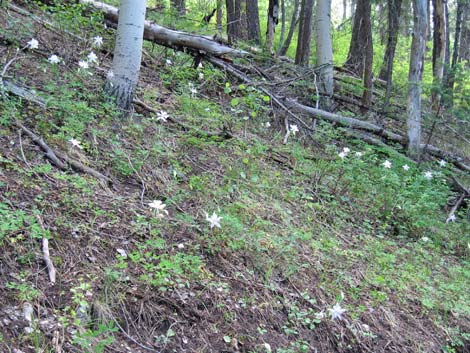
(325, 243)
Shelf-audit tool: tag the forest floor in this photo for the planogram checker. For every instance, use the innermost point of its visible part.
(301, 228)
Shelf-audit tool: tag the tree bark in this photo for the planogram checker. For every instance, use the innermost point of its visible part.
(273, 19)
(418, 47)
(302, 54)
(324, 51)
(283, 23)
(236, 20)
(464, 51)
(170, 38)
(438, 51)
(284, 47)
(179, 6)
(450, 78)
(361, 31)
(122, 82)
(252, 16)
(345, 10)
(394, 12)
(219, 16)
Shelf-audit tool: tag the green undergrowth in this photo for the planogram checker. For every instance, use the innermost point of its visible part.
(342, 220)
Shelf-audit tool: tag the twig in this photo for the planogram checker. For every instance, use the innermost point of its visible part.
(57, 157)
(457, 205)
(133, 339)
(45, 252)
(50, 154)
(141, 181)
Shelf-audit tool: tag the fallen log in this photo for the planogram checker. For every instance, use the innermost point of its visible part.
(377, 130)
(171, 38)
(288, 104)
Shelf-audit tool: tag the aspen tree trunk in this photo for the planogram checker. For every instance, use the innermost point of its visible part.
(122, 82)
(418, 47)
(345, 10)
(438, 50)
(273, 19)
(283, 47)
(324, 50)
(302, 54)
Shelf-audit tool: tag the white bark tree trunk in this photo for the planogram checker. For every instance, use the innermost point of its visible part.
(418, 46)
(324, 50)
(127, 52)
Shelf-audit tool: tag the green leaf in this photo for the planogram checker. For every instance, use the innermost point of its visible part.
(234, 102)
(227, 339)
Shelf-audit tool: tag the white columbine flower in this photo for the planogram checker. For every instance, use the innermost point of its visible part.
(159, 207)
(320, 315)
(406, 167)
(54, 59)
(83, 64)
(200, 76)
(92, 58)
(192, 90)
(442, 163)
(425, 239)
(294, 129)
(342, 155)
(346, 150)
(336, 311)
(451, 218)
(75, 143)
(359, 154)
(163, 116)
(213, 220)
(387, 164)
(98, 41)
(168, 62)
(267, 124)
(33, 44)
(428, 175)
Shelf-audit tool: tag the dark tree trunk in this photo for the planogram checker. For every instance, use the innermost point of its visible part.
(236, 20)
(252, 17)
(283, 23)
(464, 51)
(302, 55)
(450, 77)
(179, 6)
(353, 10)
(394, 12)
(283, 47)
(273, 19)
(438, 50)
(368, 72)
(428, 30)
(361, 31)
(219, 15)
